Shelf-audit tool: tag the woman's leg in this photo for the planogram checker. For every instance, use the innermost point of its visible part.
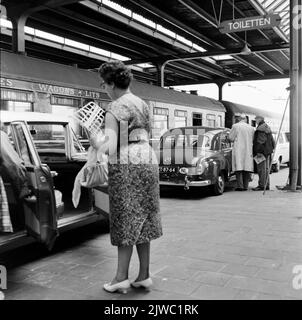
(124, 256)
(143, 251)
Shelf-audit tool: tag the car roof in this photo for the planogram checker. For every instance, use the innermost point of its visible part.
(9, 116)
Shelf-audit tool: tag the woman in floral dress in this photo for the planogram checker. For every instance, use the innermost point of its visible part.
(133, 184)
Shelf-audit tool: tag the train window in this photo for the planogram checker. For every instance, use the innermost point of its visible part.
(180, 119)
(160, 125)
(65, 101)
(219, 124)
(211, 120)
(160, 122)
(16, 95)
(197, 119)
(253, 123)
(18, 101)
(16, 106)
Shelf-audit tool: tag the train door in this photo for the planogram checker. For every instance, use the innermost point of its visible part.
(39, 206)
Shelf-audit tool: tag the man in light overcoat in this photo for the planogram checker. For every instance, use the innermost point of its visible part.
(242, 135)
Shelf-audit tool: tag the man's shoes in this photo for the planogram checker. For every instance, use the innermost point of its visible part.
(260, 188)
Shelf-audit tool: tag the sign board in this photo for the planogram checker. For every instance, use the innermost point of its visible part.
(250, 23)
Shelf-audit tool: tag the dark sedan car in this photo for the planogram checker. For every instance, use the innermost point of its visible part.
(195, 156)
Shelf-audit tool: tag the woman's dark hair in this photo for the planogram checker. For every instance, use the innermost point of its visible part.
(115, 72)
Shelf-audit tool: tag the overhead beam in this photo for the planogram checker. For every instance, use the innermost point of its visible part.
(270, 62)
(213, 53)
(262, 11)
(210, 19)
(250, 65)
(171, 21)
(128, 37)
(268, 76)
(86, 36)
(175, 23)
(193, 70)
(102, 10)
(136, 25)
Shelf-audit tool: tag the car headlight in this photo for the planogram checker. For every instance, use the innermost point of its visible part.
(201, 167)
(183, 170)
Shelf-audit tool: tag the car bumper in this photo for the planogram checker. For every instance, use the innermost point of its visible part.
(186, 184)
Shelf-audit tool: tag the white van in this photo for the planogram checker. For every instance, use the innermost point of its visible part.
(281, 155)
(53, 156)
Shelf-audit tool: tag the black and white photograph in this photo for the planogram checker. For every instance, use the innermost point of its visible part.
(150, 151)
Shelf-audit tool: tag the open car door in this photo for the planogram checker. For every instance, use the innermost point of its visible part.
(39, 206)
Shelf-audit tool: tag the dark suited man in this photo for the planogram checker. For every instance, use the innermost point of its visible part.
(263, 145)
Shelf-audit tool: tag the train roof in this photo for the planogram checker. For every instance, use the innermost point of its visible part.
(241, 108)
(150, 92)
(37, 70)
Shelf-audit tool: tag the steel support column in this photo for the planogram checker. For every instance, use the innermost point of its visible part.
(220, 85)
(18, 36)
(295, 110)
(299, 180)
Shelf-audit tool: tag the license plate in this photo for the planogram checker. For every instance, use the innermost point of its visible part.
(166, 169)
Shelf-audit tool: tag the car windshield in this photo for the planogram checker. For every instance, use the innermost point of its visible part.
(187, 140)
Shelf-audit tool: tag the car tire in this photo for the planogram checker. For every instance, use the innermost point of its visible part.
(218, 187)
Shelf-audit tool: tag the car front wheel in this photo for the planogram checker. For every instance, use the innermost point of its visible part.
(219, 185)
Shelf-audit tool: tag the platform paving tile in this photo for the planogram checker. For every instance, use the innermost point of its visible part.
(171, 285)
(212, 278)
(264, 286)
(275, 275)
(177, 272)
(37, 292)
(212, 248)
(262, 262)
(239, 269)
(209, 292)
(252, 295)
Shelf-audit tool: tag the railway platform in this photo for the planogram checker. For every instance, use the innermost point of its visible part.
(241, 245)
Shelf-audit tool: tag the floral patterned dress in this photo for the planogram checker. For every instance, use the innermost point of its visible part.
(133, 178)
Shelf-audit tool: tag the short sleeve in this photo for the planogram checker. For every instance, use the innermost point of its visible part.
(120, 111)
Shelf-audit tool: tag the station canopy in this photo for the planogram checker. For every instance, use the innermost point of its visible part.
(184, 35)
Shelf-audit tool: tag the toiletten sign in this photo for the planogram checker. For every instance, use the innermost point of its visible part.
(250, 23)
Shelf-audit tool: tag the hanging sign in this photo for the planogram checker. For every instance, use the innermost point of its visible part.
(250, 23)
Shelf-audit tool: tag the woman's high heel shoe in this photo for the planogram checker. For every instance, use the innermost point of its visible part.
(147, 283)
(121, 287)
